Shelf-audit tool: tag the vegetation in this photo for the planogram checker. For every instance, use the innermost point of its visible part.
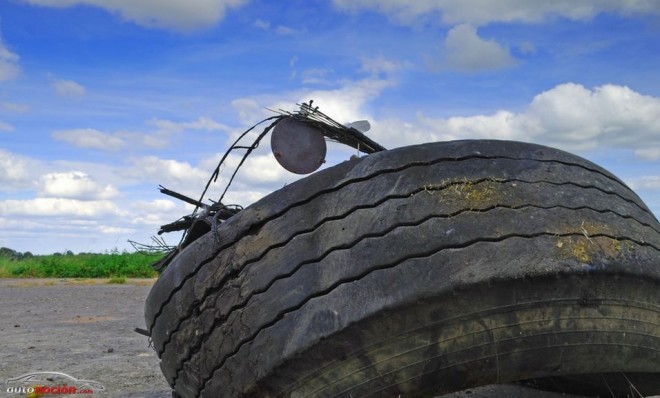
(112, 264)
(117, 280)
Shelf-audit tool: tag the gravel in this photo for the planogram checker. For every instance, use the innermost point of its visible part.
(84, 328)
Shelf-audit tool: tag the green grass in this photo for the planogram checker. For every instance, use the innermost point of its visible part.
(113, 265)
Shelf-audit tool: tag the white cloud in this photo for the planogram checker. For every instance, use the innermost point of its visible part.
(158, 138)
(69, 89)
(608, 115)
(261, 169)
(170, 14)
(9, 68)
(248, 109)
(246, 196)
(649, 153)
(90, 138)
(156, 205)
(15, 171)
(345, 104)
(55, 207)
(202, 123)
(156, 212)
(482, 12)
(109, 230)
(650, 182)
(568, 116)
(73, 185)
(166, 130)
(464, 50)
(180, 176)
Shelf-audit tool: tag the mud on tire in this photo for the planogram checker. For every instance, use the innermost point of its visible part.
(419, 271)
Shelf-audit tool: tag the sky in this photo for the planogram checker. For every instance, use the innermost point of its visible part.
(102, 101)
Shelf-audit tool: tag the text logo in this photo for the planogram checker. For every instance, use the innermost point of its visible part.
(37, 384)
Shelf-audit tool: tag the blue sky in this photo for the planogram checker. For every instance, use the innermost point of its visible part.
(101, 101)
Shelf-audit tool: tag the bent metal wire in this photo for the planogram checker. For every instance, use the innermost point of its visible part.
(217, 212)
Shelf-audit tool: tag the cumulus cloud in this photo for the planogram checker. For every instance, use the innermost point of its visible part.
(169, 14)
(482, 12)
(110, 230)
(15, 171)
(260, 169)
(156, 212)
(52, 207)
(156, 205)
(608, 115)
(90, 138)
(568, 116)
(69, 89)
(464, 50)
(73, 185)
(346, 103)
(182, 176)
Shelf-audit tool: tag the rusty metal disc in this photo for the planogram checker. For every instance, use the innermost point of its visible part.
(297, 146)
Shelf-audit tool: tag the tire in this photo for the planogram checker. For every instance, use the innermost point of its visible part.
(418, 272)
(509, 391)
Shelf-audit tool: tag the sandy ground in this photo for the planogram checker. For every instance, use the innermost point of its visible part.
(85, 328)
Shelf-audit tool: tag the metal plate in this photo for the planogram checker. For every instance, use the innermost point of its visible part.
(297, 146)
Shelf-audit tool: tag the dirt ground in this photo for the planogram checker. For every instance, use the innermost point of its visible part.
(85, 328)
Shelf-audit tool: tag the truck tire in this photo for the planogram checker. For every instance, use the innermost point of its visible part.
(419, 271)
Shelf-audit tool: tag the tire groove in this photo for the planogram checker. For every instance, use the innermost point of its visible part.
(217, 287)
(394, 264)
(365, 178)
(512, 352)
(486, 313)
(246, 302)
